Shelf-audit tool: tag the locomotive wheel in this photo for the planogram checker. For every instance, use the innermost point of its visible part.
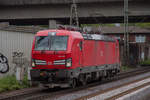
(84, 82)
(83, 79)
(73, 83)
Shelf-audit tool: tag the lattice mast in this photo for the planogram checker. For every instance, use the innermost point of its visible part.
(126, 33)
(74, 20)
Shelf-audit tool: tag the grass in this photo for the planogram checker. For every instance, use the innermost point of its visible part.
(146, 62)
(9, 83)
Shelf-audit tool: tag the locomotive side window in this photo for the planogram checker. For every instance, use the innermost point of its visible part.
(81, 45)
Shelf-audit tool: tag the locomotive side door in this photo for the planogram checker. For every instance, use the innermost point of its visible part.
(77, 53)
(106, 52)
(117, 52)
(81, 53)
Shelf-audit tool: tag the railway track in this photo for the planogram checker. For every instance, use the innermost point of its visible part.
(13, 95)
(115, 93)
(40, 94)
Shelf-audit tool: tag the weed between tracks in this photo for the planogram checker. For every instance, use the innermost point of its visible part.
(9, 83)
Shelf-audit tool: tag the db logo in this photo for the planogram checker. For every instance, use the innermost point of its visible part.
(101, 53)
(49, 63)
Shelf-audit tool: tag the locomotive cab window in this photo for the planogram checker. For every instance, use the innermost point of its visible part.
(58, 43)
(42, 43)
(51, 43)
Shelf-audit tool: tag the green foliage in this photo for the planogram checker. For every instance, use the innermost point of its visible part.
(125, 68)
(44, 26)
(97, 25)
(8, 83)
(143, 25)
(146, 62)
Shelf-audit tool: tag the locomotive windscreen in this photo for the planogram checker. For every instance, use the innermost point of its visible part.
(51, 43)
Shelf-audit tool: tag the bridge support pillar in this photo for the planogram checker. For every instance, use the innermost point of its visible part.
(52, 24)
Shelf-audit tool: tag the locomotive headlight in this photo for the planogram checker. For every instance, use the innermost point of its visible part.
(33, 63)
(69, 62)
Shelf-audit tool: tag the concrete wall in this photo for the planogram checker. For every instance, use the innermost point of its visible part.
(16, 44)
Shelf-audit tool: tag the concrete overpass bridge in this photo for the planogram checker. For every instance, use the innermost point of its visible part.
(89, 11)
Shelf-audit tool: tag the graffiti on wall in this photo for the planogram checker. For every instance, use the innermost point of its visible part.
(4, 66)
(20, 60)
(21, 64)
(18, 54)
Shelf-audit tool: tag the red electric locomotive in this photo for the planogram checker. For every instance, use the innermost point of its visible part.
(67, 58)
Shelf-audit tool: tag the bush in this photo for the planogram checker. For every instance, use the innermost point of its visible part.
(8, 83)
(146, 62)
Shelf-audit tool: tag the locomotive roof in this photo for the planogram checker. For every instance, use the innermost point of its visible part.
(79, 35)
(97, 37)
(59, 31)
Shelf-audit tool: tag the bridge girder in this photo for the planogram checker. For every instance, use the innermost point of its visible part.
(88, 13)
